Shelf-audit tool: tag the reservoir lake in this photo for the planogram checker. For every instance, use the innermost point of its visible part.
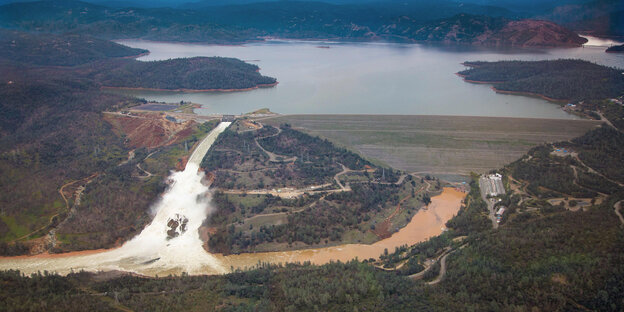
(366, 78)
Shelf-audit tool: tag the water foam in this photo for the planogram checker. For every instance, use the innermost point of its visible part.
(189, 197)
(153, 251)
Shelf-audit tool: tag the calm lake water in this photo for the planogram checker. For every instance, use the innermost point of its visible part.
(365, 78)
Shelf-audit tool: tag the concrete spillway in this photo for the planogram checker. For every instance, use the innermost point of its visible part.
(169, 244)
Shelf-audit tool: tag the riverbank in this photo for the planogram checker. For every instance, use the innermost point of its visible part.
(425, 224)
(530, 94)
(537, 95)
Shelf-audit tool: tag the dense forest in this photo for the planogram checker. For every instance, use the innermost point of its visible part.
(197, 73)
(412, 22)
(548, 172)
(615, 49)
(551, 175)
(614, 112)
(571, 80)
(603, 150)
(59, 50)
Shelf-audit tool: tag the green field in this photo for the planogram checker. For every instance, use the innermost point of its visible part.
(441, 145)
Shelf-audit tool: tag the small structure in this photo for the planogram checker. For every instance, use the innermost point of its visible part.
(500, 211)
(495, 184)
(499, 214)
(228, 118)
(171, 118)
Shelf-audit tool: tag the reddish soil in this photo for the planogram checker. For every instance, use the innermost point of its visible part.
(536, 33)
(210, 177)
(383, 229)
(150, 130)
(182, 163)
(204, 235)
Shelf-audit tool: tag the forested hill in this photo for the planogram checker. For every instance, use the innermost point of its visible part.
(447, 22)
(197, 73)
(101, 62)
(616, 49)
(572, 80)
(103, 22)
(59, 50)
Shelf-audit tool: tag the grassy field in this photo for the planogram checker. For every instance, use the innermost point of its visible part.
(441, 145)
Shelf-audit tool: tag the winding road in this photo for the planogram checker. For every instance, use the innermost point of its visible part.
(275, 158)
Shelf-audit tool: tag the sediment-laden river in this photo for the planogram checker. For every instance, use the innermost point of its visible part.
(130, 257)
(155, 252)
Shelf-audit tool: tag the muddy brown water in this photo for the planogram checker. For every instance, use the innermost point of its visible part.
(425, 224)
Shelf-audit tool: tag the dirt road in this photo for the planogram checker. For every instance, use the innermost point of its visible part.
(618, 208)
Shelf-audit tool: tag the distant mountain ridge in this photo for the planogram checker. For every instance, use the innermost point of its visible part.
(56, 50)
(292, 19)
(488, 31)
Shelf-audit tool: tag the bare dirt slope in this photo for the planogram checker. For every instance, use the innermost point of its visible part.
(149, 130)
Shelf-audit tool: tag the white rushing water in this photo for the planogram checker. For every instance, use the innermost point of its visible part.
(600, 42)
(154, 251)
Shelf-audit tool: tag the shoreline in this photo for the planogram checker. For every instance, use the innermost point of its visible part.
(477, 81)
(136, 56)
(48, 255)
(523, 93)
(378, 39)
(266, 85)
(531, 94)
(233, 44)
